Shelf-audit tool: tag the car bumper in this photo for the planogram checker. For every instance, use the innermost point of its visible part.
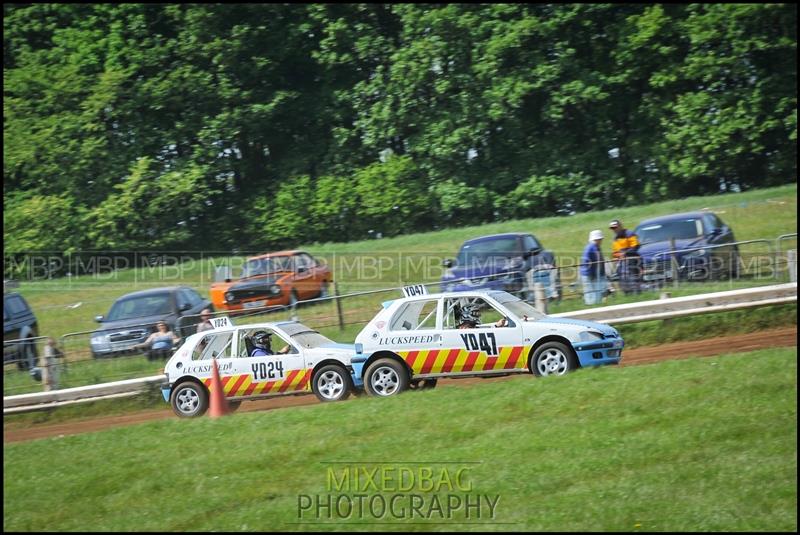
(357, 370)
(116, 349)
(599, 353)
(254, 303)
(689, 268)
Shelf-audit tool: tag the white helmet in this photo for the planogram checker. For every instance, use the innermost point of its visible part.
(596, 235)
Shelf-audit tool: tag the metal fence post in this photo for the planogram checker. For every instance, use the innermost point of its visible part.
(791, 260)
(673, 262)
(338, 305)
(540, 297)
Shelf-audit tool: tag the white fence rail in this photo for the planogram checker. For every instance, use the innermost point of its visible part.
(686, 306)
(618, 314)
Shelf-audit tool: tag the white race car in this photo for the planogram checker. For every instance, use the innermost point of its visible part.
(419, 338)
(302, 361)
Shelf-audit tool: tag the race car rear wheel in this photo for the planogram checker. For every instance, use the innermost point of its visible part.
(553, 358)
(331, 383)
(385, 377)
(189, 400)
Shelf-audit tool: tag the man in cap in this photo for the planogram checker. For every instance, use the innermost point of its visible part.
(625, 251)
(593, 271)
(205, 323)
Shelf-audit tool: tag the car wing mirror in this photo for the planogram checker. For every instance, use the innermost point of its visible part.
(99, 318)
(535, 250)
(448, 263)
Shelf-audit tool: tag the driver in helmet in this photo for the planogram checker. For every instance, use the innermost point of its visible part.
(469, 317)
(262, 340)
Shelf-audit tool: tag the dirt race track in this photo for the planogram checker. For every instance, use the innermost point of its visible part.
(631, 357)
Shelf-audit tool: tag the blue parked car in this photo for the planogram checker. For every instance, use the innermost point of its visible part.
(693, 232)
(502, 262)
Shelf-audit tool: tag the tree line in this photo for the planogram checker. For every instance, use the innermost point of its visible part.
(153, 126)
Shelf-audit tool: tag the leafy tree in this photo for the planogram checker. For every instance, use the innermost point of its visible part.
(150, 209)
(49, 223)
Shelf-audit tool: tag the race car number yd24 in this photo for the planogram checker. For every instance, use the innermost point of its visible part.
(480, 342)
(267, 370)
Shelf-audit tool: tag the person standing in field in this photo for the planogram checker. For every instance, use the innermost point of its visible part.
(625, 252)
(593, 271)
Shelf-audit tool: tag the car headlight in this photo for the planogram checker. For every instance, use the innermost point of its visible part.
(590, 336)
(99, 340)
(275, 289)
(229, 296)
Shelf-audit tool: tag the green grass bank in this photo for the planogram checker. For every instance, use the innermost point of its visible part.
(706, 444)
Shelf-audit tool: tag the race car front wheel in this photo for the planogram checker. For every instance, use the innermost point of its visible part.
(331, 383)
(553, 358)
(385, 377)
(189, 400)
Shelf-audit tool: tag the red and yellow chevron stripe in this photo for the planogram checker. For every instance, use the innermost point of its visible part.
(462, 360)
(243, 385)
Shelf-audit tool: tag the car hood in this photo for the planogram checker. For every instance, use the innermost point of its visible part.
(263, 282)
(144, 321)
(251, 282)
(481, 269)
(648, 251)
(606, 330)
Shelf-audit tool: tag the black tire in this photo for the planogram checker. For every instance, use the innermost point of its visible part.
(423, 384)
(331, 383)
(553, 358)
(385, 377)
(189, 400)
(27, 355)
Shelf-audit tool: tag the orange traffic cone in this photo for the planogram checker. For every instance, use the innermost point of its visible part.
(219, 405)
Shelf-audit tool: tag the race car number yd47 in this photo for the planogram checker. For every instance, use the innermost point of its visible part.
(414, 340)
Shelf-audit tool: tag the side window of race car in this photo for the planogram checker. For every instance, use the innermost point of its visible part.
(485, 314)
(213, 345)
(415, 315)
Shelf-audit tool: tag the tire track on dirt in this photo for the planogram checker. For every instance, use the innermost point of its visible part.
(783, 337)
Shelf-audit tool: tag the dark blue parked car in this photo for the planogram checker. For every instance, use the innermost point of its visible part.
(502, 262)
(694, 233)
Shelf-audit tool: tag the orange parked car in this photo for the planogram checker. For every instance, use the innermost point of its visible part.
(281, 278)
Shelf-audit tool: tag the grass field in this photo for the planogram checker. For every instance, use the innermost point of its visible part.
(706, 444)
